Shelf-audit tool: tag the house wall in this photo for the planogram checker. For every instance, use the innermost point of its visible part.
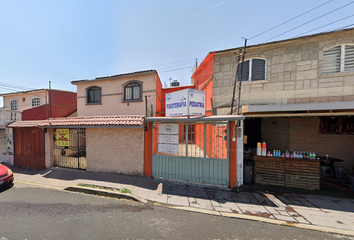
(293, 73)
(24, 100)
(112, 97)
(275, 132)
(115, 150)
(304, 136)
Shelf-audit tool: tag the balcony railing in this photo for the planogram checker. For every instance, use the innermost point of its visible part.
(8, 116)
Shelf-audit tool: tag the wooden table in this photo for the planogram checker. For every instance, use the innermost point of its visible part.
(328, 161)
(287, 172)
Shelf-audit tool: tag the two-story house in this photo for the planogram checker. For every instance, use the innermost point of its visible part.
(296, 94)
(108, 131)
(36, 104)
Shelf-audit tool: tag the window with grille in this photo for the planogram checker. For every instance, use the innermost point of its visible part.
(253, 70)
(132, 92)
(93, 95)
(36, 102)
(13, 105)
(338, 59)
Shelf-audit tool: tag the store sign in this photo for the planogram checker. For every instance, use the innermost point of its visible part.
(63, 138)
(186, 102)
(168, 138)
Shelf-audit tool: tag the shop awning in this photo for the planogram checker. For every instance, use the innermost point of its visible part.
(300, 110)
(198, 119)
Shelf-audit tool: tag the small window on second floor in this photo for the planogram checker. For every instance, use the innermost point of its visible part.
(13, 105)
(338, 59)
(253, 70)
(36, 102)
(93, 95)
(132, 92)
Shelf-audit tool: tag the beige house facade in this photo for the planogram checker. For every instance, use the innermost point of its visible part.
(290, 89)
(125, 94)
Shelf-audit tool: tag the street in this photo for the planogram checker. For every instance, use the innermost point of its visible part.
(32, 212)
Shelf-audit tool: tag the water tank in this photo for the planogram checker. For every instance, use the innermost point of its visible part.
(174, 83)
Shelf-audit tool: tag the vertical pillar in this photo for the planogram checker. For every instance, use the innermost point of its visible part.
(148, 143)
(233, 154)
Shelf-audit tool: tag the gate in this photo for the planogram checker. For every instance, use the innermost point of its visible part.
(191, 152)
(74, 155)
(29, 150)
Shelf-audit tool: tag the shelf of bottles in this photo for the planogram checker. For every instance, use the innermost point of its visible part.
(292, 154)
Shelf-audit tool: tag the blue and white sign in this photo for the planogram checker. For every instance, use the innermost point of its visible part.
(168, 138)
(186, 102)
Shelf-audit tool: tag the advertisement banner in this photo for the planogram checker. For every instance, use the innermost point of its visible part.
(63, 137)
(168, 138)
(186, 102)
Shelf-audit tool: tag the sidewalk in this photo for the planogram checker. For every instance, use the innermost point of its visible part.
(323, 213)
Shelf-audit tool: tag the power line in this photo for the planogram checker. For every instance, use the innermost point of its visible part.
(326, 25)
(309, 21)
(289, 20)
(175, 69)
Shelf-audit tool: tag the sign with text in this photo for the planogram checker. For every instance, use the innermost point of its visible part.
(168, 138)
(63, 137)
(186, 102)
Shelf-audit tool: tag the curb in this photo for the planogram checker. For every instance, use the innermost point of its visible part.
(105, 193)
(127, 196)
(258, 219)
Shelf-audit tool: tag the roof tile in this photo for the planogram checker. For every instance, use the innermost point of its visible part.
(94, 121)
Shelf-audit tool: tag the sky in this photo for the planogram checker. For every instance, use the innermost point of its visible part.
(67, 40)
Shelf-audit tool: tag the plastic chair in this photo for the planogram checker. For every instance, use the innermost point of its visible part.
(340, 172)
(326, 171)
(348, 181)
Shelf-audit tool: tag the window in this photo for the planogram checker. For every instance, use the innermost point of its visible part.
(93, 95)
(338, 59)
(13, 105)
(36, 102)
(132, 92)
(253, 70)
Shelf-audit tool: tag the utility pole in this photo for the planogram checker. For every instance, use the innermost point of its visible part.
(235, 81)
(50, 99)
(239, 88)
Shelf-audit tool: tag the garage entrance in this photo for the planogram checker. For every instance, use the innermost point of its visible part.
(29, 150)
(206, 155)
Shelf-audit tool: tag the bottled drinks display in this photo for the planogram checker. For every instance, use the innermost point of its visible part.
(293, 154)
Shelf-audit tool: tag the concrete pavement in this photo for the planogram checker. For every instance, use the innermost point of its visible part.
(322, 213)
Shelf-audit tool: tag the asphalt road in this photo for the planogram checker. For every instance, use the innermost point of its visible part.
(32, 212)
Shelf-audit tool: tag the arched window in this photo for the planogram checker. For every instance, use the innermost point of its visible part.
(13, 105)
(93, 95)
(36, 101)
(132, 92)
(338, 59)
(253, 70)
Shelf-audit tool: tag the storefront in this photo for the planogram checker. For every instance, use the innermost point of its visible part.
(323, 129)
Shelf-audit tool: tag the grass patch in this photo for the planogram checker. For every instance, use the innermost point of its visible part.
(125, 190)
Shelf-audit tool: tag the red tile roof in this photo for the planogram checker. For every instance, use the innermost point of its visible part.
(102, 121)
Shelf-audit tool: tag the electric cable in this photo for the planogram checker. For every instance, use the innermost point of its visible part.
(310, 21)
(290, 19)
(325, 25)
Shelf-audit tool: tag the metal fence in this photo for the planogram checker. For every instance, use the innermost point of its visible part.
(74, 155)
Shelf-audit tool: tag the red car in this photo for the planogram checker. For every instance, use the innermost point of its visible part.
(6, 175)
